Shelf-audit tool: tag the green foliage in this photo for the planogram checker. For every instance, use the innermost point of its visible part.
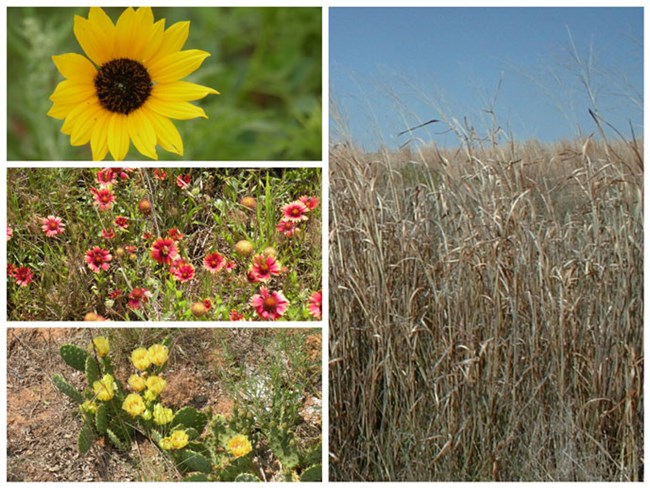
(243, 477)
(92, 370)
(65, 387)
(121, 444)
(191, 418)
(284, 447)
(74, 356)
(102, 419)
(196, 477)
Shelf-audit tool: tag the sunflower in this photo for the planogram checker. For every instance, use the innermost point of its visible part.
(128, 87)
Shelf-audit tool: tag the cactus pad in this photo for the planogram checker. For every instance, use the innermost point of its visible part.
(189, 461)
(92, 370)
(116, 441)
(191, 418)
(247, 477)
(65, 387)
(101, 419)
(312, 473)
(74, 356)
(86, 438)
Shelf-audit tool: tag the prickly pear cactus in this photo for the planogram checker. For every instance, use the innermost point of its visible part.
(190, 418)
(312, 473)
(86, 438)
(74, 356)
(65, 387)
(92, 370)
(189, 461)
(116, 441)
(247, 477)
(102, 419)
(281, 443)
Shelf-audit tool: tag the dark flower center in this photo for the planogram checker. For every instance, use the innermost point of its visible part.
(123, 85)
(269, 304)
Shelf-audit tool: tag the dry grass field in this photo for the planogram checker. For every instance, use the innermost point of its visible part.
(487, 312)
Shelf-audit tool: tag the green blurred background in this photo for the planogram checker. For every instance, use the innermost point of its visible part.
(266, 62)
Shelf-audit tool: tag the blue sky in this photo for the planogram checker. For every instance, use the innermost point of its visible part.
(392, 68)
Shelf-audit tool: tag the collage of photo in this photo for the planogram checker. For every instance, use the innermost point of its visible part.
(323, 243)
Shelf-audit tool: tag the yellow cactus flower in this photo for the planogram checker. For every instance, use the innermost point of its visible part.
(105, 388)
(158, 354)
(140, 358)
(156, 384)
(137, 382)
(147, 415)
(134, 404)
(101, 346)
(150, 396)
(88, 406)
(239, 445)
(166, 444)
(162, 415)
(179, 439)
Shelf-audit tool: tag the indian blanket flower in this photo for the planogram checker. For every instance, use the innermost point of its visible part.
(310, 202)
(140, 358)
(179, 439)
(269, 305)
(264, 267)
(137, 382)
(122, 222)
(98, 259)
(133, 405)
(158, 354)
(239, 445)
(53, 226)
(137, 297)
(315, 306)
(10, 233)
(105, 388)
(128, 86)
(175, 234)
(287, 227)
(106, 176)
(160, 174)
(162, 415)
(11, 269)
(183, 181)
(295, 211)
(214, 262)
(235, 316)
(184, 272)
(101, 345)
(23, 275)
(164, 250)
(108, 234)
(104, 198)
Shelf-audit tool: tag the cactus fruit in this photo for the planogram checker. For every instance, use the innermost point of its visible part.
(247, 477)
(191, 418)
(65, 387)
(189, 461)
(92, 370)
(312, 473)
(86, 438)
(74, 356)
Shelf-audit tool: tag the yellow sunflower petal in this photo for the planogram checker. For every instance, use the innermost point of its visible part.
(97, 16)
(99, 139)
(118, 136)
(153, 44)
(175, 110)
(69, 91)
(93, 40)
(173, 40)
(73, 116)
(142, 133)
(75, 67)
(181, 91)
(168, 136)
(176, 66)
(85, 122)
(133, 30)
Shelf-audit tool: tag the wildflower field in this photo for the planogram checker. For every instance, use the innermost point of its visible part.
(164, 404)
(487, 313)
(164, 244)
(171, 83)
